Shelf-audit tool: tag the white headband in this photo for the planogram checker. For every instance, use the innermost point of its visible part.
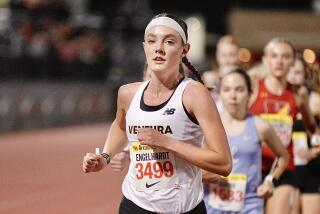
(166, 21)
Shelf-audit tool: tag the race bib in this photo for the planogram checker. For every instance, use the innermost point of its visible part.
(229, 193)
(282, 124)
(300, 142)
(153, 168)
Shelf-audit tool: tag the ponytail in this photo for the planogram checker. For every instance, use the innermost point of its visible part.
(193, 70)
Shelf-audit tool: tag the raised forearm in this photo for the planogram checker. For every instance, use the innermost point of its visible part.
(280, 167)
(204, 158)
(116, 140)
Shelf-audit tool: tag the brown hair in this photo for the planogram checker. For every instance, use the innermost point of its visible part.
(312, 73)
(315, 77)
(244, 75)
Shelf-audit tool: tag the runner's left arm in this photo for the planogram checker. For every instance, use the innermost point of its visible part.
(268, 135)
(215, 156)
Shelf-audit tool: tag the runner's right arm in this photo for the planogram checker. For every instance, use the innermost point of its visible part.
(117, 138)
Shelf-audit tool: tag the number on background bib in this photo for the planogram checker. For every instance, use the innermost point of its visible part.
(153, 168)
(282, 124)
(300, 142)
(229, 193)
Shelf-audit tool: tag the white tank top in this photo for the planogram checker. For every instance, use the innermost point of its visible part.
(158, 180)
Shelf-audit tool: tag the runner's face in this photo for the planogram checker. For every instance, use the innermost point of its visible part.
(234, 93)
(296, 74)
(227, 55)
(279, 58)
(163, 48)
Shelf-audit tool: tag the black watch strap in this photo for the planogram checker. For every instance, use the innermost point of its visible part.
(107, 157)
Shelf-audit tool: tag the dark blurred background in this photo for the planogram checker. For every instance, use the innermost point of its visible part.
(62, 61)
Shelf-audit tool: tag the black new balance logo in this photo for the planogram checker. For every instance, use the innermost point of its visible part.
(169, 111)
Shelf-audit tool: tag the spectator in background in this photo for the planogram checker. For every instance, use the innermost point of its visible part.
(48, 46)
(276, 101)
(306, 156)
(31, 21)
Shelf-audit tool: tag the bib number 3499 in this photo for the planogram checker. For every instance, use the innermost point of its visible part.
(154, 170)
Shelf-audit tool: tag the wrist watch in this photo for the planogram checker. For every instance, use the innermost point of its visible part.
(107, 157)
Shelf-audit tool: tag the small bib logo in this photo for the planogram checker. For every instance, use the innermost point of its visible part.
(169, 111)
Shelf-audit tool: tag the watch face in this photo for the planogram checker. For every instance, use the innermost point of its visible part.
(107, 157)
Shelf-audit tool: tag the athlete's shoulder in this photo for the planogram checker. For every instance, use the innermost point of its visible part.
(126, 92)
(196, 95)
(263, 127)
(195, 88)
(129, 89)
